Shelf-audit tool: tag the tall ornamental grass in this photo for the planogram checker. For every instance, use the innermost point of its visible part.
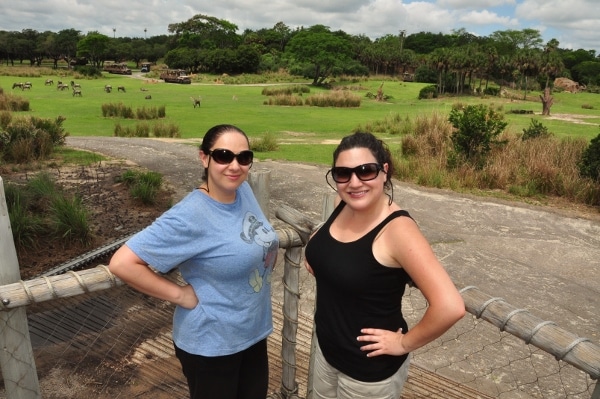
(539, 167)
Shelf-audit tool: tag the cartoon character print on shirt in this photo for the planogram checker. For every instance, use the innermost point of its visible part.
(254, 232)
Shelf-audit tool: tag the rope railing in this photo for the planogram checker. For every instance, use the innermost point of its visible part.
(546, 335)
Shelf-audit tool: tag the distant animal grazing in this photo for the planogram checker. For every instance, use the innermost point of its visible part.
(108, 88)
(74, 85)
(143, 89)
(26, 86)
(76, 92)
(20, 85)
(196, 101)
(49, 82)
(148, 97)
(61, 86)
(121, 88)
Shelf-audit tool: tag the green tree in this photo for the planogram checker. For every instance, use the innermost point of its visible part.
(93, 47)
(66, 41)
(206, 32)
(322, 49)
(551, 64)
(587, 72)
(527, 63)
(182, 58)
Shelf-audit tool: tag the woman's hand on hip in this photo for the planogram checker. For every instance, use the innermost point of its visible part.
(188, 299)
(382, 342)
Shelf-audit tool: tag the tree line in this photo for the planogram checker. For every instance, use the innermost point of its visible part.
(206, 44)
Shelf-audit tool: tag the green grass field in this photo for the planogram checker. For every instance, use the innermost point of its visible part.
(297, 129)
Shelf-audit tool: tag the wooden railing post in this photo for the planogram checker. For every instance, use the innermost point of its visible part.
(16, 357)
(260, 181)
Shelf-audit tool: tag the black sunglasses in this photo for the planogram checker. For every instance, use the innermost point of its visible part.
(364, 172)
(225, 157)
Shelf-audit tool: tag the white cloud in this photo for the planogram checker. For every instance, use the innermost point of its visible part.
(573, 23)
(479, 18)
(474, 4)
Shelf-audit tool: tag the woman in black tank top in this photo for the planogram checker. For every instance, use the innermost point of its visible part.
(362, 258)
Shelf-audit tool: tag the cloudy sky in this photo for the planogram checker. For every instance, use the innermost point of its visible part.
(574, 23)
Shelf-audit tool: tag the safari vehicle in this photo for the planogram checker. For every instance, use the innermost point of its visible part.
(175, 76)
(120, 69)
(145, 67)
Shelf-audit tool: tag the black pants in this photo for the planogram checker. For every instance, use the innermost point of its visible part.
(243, 375)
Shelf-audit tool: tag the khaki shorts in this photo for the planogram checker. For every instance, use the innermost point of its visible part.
(329, 383)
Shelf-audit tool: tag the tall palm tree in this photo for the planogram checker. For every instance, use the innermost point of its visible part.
(551, 62)
(527, 62)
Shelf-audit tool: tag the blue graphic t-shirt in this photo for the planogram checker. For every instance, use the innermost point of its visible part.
(227, 253)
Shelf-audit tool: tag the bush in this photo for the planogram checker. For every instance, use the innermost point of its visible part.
(424, 74)
(70, 219)
(39, 208)
(165, 130)
(25, 139)
(428, 92)
(535, 129)
(492, 91)
(143, 186)
(285, 90)
(263, 144)
(477, 128)
(25, 225)
(9, 102)
(341, 98)
(589, 166)
(289, 100)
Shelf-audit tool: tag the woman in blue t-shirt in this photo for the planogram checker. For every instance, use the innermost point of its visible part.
(225, 250)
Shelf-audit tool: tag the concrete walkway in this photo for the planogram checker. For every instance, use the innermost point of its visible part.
(543, 260)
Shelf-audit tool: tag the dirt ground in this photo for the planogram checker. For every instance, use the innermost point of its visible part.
(113, 212)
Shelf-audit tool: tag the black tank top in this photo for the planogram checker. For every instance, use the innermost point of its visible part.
(355, 291)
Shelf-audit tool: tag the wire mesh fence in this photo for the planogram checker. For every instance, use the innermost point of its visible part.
(116, 344)
(479, 355)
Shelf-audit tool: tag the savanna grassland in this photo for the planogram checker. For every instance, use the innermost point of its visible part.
(417, 131)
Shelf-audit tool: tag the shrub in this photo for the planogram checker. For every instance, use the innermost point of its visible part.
(30, 138)
(342, 99)
(263, 144)
(143, 186)
(5, 119)
(492, 91)
(589, 166)
(428, 92)
(535, 129)
(69, 219)
(40, 208)
(165, 130)
(9, 102)
(25, 226)
(477, 128)
(290, 100)
(285, 90)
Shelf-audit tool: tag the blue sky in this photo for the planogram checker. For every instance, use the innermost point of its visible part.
(574, 23)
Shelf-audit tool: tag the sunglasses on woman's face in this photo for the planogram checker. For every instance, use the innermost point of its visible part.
(225, 157)
(364, 172)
